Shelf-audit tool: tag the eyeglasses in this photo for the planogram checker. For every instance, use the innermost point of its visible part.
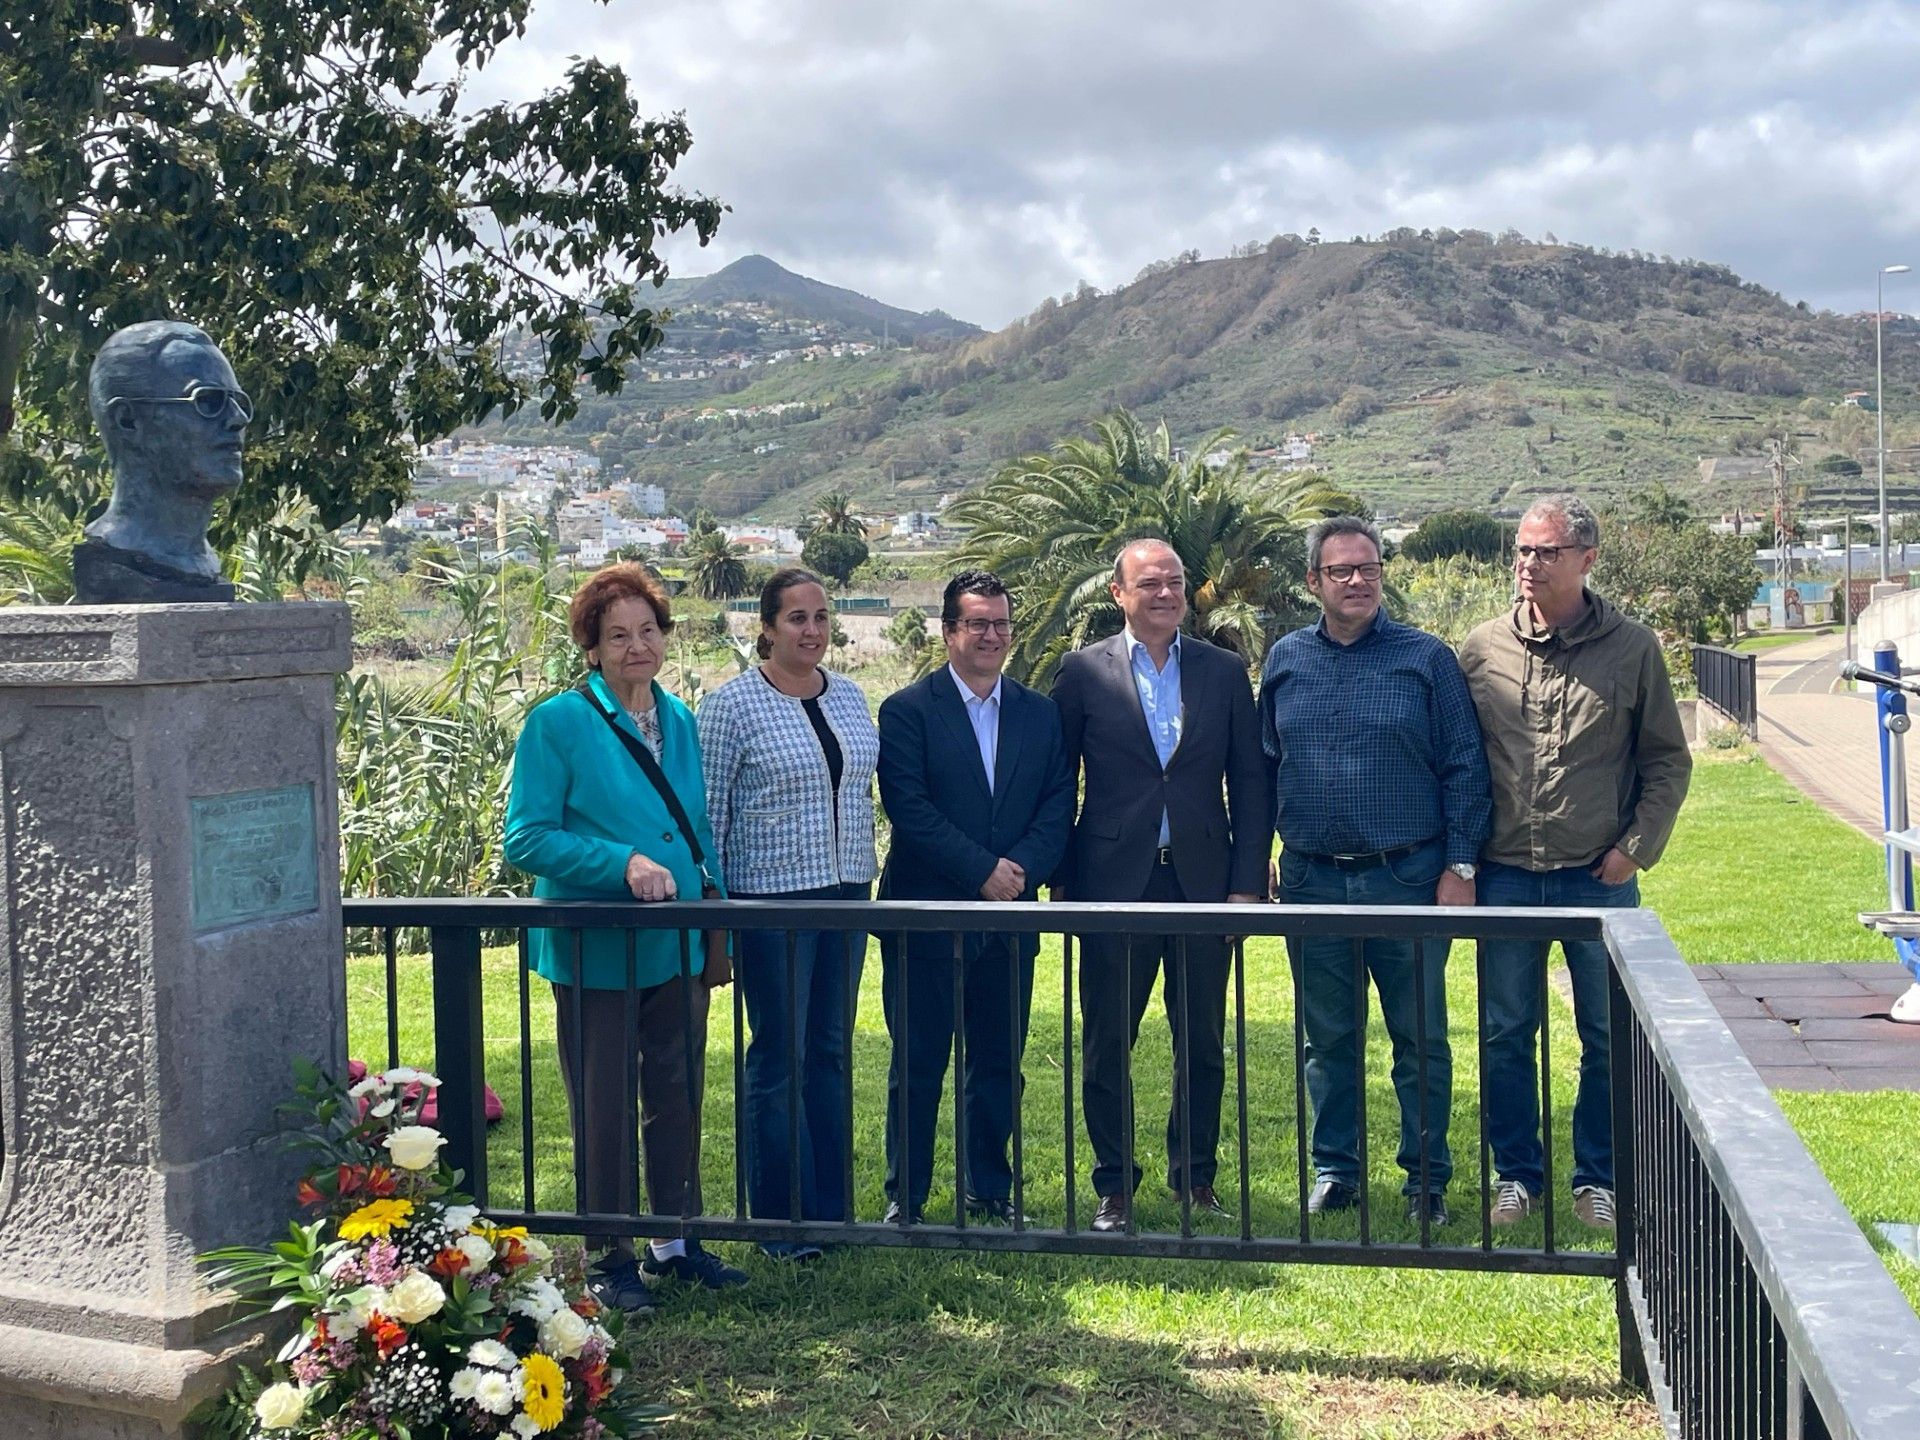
(1545, 554)
(209, 401)
(1153, 587)
(977, 626)
(1341, 574)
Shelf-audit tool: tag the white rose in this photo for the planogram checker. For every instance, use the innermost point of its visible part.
(280, 1406)
(493, 1393)
(460, 1217)
(478, 1252)
(415, 1147)
(537, 1249)
(564, 1333)
(492, 1354)
(415, 1298)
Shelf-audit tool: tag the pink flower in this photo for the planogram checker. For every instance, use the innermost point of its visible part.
(311, 1368)
(382, 1263)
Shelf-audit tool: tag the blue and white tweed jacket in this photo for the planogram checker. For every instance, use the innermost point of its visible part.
(768, 795)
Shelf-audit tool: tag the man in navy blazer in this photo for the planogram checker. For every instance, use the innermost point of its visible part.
(1178, 808)
(973, 775)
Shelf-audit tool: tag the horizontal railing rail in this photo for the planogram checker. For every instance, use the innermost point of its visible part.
(1727, 680)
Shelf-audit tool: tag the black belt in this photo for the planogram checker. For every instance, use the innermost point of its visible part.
(1373, 860)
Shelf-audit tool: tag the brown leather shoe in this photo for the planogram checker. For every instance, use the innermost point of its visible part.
(1112, 1214)
(1205, 1202)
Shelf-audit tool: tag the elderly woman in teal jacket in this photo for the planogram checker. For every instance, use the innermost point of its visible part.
(588, 822)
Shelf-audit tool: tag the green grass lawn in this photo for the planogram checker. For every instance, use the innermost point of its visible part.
(891, 1343)
(1774, 639)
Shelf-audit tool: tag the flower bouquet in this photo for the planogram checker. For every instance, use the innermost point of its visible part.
(418, 1320)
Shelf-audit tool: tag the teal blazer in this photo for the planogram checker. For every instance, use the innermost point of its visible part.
(580, 806)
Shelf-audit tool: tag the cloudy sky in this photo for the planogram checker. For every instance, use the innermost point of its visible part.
(978, 155)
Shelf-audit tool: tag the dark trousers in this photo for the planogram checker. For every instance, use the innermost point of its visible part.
(799, 1063)
(1116, 980)
(996, 998)
(670, 1045)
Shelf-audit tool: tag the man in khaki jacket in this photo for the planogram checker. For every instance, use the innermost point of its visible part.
(1589, 766)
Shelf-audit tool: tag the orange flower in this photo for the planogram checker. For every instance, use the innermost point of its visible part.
(448, 1263)
(349, 1179)
(598, 1380)
(510, 1252)
(381, 1181)
(308, 1194)
(388, 1335)
(586, 1307)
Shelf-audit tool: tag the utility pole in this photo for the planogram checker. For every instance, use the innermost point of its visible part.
(1782, 513)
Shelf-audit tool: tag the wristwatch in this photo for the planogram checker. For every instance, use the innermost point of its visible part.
(1465, 869)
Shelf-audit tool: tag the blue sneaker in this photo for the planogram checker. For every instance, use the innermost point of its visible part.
(697, 1266)
(794, 1252)
(616, 1284)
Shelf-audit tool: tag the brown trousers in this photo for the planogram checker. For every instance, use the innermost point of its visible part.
(672, 1082)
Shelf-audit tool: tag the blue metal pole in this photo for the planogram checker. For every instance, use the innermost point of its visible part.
(1889, 703)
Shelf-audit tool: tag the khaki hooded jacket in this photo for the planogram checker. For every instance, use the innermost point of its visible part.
(1584, 740)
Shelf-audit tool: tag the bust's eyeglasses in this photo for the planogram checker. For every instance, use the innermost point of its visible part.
(1341, 574)
(209, 401)
(1545, 554)
(977, 626)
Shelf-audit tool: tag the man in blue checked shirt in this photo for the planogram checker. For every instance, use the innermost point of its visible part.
(1383, 799)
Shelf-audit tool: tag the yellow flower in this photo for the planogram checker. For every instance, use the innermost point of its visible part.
(545, 1389)
(496, 1233)
(376, 1219)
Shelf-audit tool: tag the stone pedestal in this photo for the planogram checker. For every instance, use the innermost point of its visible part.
(169, 940)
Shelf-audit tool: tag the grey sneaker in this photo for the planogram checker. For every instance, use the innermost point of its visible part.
(1593, 1204)
(1512, 1203)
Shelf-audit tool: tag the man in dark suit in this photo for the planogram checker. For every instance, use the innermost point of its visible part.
(973, 775)
(1178, 806)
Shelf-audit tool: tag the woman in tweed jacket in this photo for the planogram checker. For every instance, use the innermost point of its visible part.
(789, 751)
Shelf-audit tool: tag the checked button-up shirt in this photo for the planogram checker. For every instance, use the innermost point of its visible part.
(1375, 744)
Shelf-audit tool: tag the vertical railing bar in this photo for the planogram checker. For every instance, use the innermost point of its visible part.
(795, 1207)
(391, 934)
(1183, 1069)
(1621, 1046)
(959, 1081)
(741, 1143)
(1238, 959)
(1360, 1086)
(1126, 1100)
(1420, 1085)
(577, 1099)
(629, 1155)
(526, 1074)
(1066, 1073)
(849, 984)
(1016, 1047)
(1297, 963)
(903, 1044)
(459, 1050)
(1480, 1049)
(1543, 1003)
(694, 1074)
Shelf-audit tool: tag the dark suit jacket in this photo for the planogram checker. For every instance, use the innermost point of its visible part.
(948, 830)
(1217, 791)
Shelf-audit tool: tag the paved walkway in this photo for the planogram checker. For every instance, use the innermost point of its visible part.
(1825, 742)
(1821, 1026)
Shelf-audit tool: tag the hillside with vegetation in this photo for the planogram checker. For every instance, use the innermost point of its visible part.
(1431, 370)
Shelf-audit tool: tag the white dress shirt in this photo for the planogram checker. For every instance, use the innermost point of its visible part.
(983, 713)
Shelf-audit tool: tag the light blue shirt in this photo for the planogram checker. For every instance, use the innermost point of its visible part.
(984, 716)
(1159, 692)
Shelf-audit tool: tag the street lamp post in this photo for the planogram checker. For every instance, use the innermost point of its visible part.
(1880, 406)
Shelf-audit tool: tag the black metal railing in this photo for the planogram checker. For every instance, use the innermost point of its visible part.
(1725, 680)
(1732, 1251)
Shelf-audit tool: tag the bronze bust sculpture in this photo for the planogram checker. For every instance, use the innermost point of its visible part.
(171, 415)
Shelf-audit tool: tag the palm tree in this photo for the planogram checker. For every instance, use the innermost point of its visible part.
(832, 514)
(1049, 524)
(36, 552)
(715, 566)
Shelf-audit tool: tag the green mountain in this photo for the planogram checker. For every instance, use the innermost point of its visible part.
(756, 281)
(1429, 369)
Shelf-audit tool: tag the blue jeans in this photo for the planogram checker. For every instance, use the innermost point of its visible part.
(1333, 1011)
(1510, 1025)
(811, 1079)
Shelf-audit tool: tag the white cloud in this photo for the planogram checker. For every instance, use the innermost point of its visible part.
(978, 156)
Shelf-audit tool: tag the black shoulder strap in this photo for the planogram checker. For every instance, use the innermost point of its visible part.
(643, 757)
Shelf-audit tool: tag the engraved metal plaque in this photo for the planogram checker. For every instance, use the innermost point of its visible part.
(253, 856)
